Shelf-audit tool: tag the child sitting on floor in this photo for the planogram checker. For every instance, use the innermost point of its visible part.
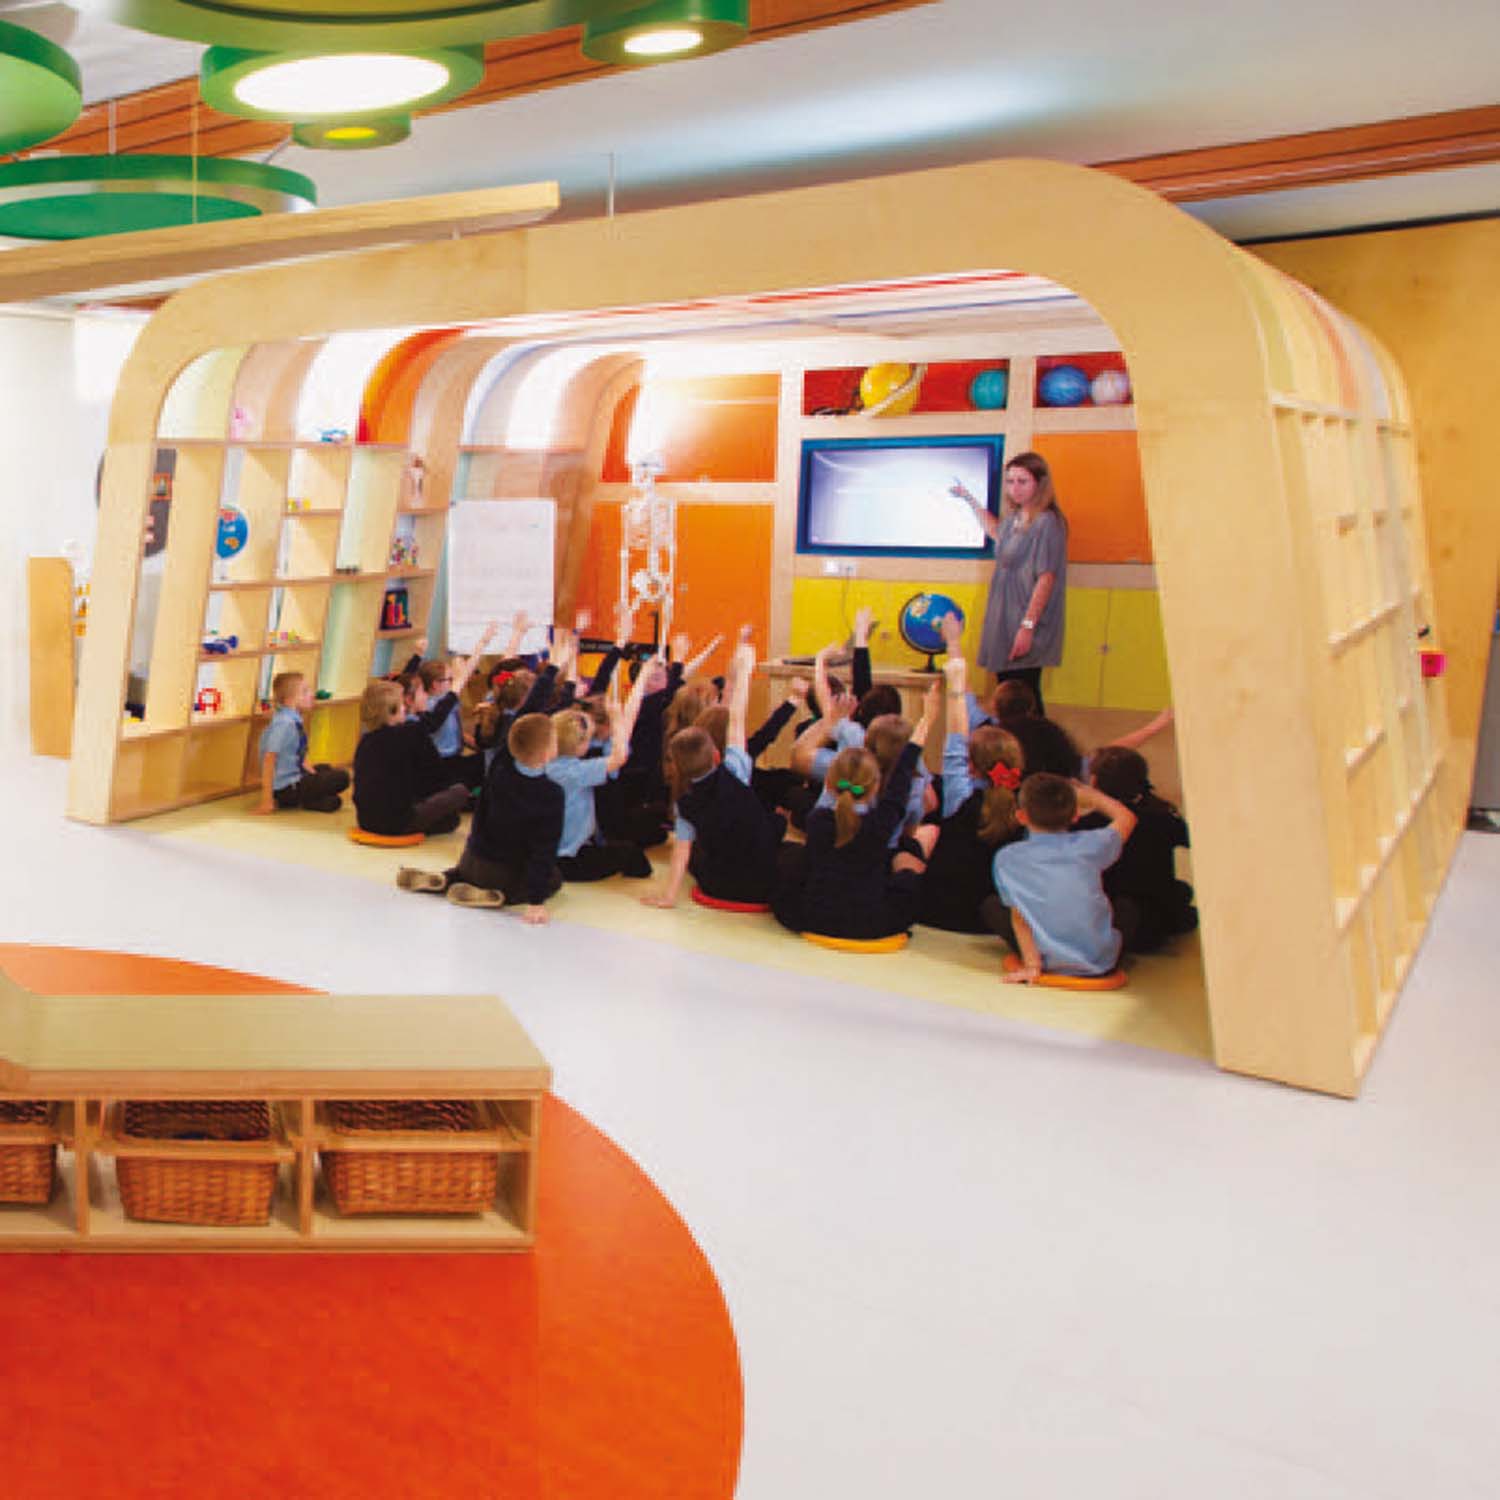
(723, 834)
(440, 715)
(848, 885)
(981, 777)
(581, 853)
(1145, 872)
(286, 780)
(1059, 919)
(511, 853)
(400, 783)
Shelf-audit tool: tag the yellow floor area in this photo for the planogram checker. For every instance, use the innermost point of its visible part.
(1163, 1007)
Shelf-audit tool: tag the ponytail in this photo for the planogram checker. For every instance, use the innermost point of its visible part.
(996, 756)
(853, 777)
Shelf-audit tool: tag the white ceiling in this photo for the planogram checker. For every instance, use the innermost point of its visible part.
(1087, 80)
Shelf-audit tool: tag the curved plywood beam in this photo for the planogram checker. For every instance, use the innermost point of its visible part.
(1244, 621)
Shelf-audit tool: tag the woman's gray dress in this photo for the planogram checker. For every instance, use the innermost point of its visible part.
(1021, 557)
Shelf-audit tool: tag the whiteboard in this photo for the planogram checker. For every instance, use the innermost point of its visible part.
(500, 559)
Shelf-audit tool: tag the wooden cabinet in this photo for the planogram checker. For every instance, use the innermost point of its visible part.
(1114, 655)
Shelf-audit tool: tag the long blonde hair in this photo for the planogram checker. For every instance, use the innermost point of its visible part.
(853, 777)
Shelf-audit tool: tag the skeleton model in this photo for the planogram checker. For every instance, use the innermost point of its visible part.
(648, 546)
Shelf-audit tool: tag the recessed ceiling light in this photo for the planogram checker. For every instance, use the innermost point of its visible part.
(335, 85)
(665, 42)
(666, 29)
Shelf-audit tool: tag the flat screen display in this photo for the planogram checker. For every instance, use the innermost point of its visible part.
(896, 496)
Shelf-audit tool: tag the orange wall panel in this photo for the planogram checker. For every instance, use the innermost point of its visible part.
(718, 428)
(391, 391)
(1098, 479)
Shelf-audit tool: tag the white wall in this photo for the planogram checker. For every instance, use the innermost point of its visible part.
(52, 435)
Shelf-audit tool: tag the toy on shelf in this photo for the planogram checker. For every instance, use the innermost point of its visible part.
(294, 503)
(322, 693)
(404, 552)
(333, 435)
(284, 638)
(349, 569)
(416, 472)
(395, 611)
(208, 701)
(215, 644)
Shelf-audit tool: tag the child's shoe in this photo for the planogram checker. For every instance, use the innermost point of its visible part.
(410, 879)
(462, 894)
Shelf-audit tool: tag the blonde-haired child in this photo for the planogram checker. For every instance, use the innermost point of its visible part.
(511, 853)
(849, 886)
(286, 779)
(581, 853)
(981, 779)
(400, 782)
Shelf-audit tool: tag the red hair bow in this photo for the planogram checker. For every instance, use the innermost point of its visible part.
(1001, 774)
(501, 678)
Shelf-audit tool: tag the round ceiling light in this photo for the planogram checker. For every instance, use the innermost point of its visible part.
(667, 29)
(332, 85)
(41, 91)
(352, 135)
(77, 197)
(350, 25)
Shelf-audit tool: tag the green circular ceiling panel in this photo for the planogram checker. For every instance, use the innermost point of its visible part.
(78, 197)
(305, 84)
(667, 30)
(41, 91)
(352, 134)
(332, 25)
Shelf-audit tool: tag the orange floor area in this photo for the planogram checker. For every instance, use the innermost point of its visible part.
(601, 1367)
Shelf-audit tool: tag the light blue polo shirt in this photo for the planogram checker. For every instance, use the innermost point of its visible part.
(958, 780)
(577, 778)
(286, 739)
(1052, 879)
(449, 735)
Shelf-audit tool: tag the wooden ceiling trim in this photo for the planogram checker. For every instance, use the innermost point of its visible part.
(1422, 143)
(160, 119)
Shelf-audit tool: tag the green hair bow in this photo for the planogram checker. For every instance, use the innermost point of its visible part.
(850, 786)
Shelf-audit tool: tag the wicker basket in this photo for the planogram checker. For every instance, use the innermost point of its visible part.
(205, 1188)
(28, 1169)
(410, 1182)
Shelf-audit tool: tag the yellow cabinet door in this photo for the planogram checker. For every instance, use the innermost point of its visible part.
(1134, 663)
(1077, 679)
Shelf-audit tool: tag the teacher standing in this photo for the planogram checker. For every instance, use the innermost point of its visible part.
(1023, 617)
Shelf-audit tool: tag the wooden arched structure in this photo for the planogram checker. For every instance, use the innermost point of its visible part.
(1278, 465)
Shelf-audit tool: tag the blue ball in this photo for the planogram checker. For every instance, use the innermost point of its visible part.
(989, 390)
(1063, 385)
(920, 618)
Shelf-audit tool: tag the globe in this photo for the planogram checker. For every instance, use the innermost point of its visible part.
(921, 619)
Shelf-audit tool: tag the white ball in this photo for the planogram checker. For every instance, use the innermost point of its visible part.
(1110, 388)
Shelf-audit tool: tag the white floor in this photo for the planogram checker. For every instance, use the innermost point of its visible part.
(964, 1257)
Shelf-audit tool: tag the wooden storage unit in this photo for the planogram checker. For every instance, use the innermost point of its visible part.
(303, 595)
(90, 1055)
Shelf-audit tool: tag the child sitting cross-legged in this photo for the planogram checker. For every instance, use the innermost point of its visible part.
(849, 886)
(722, 833)
(511, 853)
(400, 783)
(1055, 912)
(582, 854)
(286, 779)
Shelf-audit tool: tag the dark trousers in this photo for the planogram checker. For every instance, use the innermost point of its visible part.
(632, 810)
(495, 875)
(1031, 676)
(995, 915)
(602, 861)
(465, 770)
(317, 791)
(440, 812)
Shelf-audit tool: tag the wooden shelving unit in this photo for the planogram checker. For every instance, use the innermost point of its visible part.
(298, 1053)
(323, 521)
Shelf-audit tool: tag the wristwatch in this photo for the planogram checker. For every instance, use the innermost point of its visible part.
(1028, 624)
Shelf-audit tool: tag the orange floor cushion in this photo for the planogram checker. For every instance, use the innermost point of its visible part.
(713, 901)
(386, 840)
(1111, 981)
(893, 944)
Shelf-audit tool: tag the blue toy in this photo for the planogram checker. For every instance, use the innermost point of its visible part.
(989, 390)
(1063, 385)
(234, 532)
(220, 645)
(920, 624)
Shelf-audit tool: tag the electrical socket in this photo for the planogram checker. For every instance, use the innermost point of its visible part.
(838, 567)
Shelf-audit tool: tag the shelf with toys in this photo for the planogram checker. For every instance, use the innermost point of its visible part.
(301, 554)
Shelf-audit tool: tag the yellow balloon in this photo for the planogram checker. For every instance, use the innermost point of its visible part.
(890, 390)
